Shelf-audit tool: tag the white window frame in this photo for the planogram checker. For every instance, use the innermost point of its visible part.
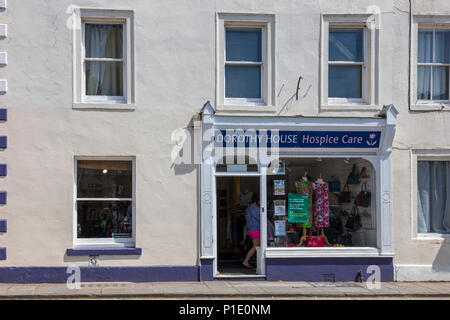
(416, 156)
(242, 21)
(105, 242)
(101, 16)
(423, 23)
(369, 80)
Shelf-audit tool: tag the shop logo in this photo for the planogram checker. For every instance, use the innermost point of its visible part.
(372, 142)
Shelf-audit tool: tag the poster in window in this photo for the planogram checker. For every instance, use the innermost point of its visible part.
(279, 207)
(278, 188)
(279, 168)
(298, 207)
(280, 228)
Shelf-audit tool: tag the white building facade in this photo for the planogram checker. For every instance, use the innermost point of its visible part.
(117, 119)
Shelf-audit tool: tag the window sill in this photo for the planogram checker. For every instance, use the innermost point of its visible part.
(325, 252)
(103, 106)
(350, 107)
(431, 107)
(433, 236)
(95, 251)
(245, 108)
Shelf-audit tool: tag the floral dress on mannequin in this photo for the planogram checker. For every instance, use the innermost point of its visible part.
(321, 205)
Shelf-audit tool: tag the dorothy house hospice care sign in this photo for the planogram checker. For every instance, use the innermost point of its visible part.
(298, 139)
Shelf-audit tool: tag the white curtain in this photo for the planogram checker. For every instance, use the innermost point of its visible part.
(433, 197)
(104, 78)
(424, 54)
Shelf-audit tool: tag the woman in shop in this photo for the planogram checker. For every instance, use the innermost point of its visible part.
(252, 216)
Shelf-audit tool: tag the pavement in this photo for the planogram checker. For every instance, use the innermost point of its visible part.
(223, 289)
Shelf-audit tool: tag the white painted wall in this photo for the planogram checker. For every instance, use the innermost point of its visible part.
(175, 52)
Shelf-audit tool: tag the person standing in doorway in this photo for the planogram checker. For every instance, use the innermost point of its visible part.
(252, 216)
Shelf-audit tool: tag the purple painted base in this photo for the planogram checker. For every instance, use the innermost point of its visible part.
(2, 253)
(327, 269)
(206, 270)
(99, 274)
(3, 226)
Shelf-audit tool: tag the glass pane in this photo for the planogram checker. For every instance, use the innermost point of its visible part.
(346, 45)
(425, 47)
(104, 78)
(423, 83)
(440, 83)
(310, 196)
(344, 82)
(442, 47)
(103, 40)
(104, 219)
(243, 45)
(243, 82)
(104, 179)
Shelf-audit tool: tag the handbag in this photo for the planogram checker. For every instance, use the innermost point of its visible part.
(334, 185)
(314, 240)
(354, 221)
(333, 199)
(364, 197)
(353, 177)
(345, 196)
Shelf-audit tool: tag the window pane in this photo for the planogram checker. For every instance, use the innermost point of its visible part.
(104, 179)
(425, 47)
(346, 45)
(442, 47)
(243, 82)
(243, 45)
(344, 82)
(423, 83)
(104, 219)
(103, 40)
(104, 78)
(440, 83)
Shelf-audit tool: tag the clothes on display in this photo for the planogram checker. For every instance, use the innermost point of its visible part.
(321, 205)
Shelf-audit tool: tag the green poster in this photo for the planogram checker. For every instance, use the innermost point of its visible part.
(298, 207)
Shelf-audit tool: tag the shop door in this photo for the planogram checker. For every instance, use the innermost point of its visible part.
(234, 195)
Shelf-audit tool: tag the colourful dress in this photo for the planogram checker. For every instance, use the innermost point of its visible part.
(306, 187)
(321, 205)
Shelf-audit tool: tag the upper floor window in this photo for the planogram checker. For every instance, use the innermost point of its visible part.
(346, 65)
(433, 62)
(104, 59)
(245, 63)
(350, 57)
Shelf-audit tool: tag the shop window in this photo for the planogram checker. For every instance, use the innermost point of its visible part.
(104, 59)
(433, 197)
(245, 63)
(331, 199)
(433, 62)
(104, 202)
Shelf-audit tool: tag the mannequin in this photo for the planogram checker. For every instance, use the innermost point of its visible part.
(320, 181)
(308, 189)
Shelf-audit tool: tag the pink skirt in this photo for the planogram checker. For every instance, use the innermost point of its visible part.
(254, 234)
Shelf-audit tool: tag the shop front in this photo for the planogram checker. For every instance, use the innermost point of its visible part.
(324, 191)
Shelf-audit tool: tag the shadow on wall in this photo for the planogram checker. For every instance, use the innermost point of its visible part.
(442, 261)
(184, 151)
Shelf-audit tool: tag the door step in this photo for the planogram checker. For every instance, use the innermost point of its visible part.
(240, 277)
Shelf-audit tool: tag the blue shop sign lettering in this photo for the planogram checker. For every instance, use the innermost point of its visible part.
(299, 139)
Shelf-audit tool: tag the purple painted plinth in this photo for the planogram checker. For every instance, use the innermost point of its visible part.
(103, 251)
(3, 114)
(3, 226)
(327, 269)
(99, 274)
(2, 254)
(206, 270)
(3, 142)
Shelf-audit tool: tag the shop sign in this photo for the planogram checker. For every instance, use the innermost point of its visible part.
(298, 139)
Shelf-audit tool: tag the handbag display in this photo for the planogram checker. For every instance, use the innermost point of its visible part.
(345, 196)
(354, 221)
(314, 240)
(364, 197)
(353, 177)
